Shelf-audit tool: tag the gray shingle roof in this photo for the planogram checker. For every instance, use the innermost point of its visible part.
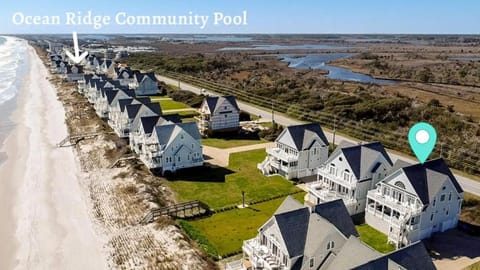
(132, 110)
(214, 102)
(361, 157)
(165, 132)
(293, 226)
(302, 134)
(289, 204)
(337, 214)
(149, 122)
(425, 178)
(413, 257)
(352, 254)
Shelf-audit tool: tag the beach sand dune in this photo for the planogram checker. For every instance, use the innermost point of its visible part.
(48, 222)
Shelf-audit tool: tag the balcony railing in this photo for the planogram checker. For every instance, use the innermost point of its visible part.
(350, 183)
(282, 155)
(260, 256)
(326, 195)
(401, 207)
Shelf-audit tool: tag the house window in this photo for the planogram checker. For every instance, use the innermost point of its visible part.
(178, 159)
(332, 169)
(274, 249)
(446, 213)
(434, 201)
(346, 175)
(450, 196)
(431, 217)
(181, 137)
(442, 198)
(285, 259)
(312, 262)
(314, 151)
(226, 115)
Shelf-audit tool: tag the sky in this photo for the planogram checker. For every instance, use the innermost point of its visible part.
(263, 16)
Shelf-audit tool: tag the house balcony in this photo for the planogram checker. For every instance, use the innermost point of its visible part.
(350, 183)
(402, 207)
(281, 155)
(325, 194)
(260, 257)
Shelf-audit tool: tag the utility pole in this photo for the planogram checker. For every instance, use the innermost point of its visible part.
(334, 129)
(273, 112)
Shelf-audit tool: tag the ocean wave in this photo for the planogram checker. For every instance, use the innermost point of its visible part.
(12, 60)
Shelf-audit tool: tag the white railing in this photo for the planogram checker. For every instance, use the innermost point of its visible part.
(280, 154)
(401, 207)
(350, 183)
(322, 191)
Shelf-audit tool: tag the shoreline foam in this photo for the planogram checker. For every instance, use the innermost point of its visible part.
(45, 216)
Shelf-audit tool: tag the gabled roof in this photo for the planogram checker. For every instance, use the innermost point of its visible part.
(361, 157)
(352, 254)
(289, 204)
(302, 135)
(293, 226)
(149, 122)
(141, 76)
(412, 257)
(143, 100)
(132, 110)
(425, 178)
(213, 103)
(337, 214)
(124, 102)
(166, 132)
(154, 107)
(111, 94)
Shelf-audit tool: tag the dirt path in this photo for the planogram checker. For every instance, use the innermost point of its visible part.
(221, 157)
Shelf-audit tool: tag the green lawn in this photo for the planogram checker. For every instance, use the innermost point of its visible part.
(227, 143)
(374, 238)
(168, 104)
(220, 187)
(224, 233)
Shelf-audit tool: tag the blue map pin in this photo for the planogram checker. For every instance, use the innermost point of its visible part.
(422, 138)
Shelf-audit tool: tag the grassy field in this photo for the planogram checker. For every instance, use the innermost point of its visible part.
(168, 104)
(220, 187)
(374, 238)
(224, 233)
(226, 143)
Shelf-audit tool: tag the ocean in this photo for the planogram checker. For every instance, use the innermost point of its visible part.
(12, 68)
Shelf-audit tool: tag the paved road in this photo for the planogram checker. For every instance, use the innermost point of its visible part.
(467, 184)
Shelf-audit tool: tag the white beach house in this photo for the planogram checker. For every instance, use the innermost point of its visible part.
(145, 84)
(348, 174)
(218, 114)
(173, 146)
(132, 113)
(415, 201)
(322, 238)
(298, 152)
(142, 129)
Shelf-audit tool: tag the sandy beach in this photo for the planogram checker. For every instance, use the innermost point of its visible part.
(45, 219)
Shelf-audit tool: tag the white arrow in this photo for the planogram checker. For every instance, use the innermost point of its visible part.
(77, 58)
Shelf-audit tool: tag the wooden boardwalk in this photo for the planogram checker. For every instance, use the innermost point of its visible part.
(182, 210)
(74, 139)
